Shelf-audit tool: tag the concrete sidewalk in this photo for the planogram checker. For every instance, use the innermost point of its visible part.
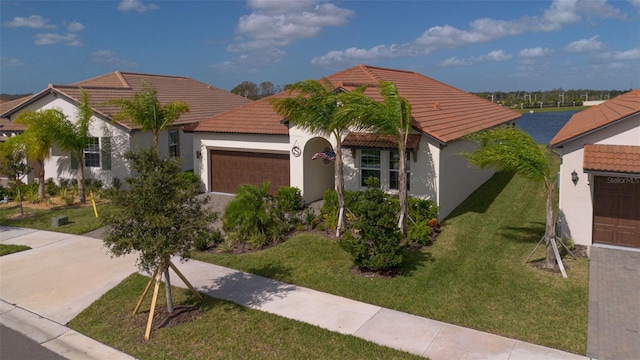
(61, 271)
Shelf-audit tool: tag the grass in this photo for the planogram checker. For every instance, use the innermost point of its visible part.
(224, 331)
(474, 275)
(81, 218)
(10, 249)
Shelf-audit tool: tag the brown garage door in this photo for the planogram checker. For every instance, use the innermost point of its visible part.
(230, 169)
(616, 211)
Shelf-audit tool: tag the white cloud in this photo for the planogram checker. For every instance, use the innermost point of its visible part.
(75, 27)
(274, 24)
(112, 60)
(632, 54)
(585, 45)
(494, 56)
(8, 62)
(250, 62)
(33, 21)
(535, 52)
(52, 39)
(135, 5)
(560, 13)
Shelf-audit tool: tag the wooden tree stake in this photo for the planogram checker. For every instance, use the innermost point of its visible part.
(184, 279)
(146, 290)
(159, 272)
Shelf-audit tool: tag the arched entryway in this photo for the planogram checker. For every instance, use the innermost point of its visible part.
(319, 174)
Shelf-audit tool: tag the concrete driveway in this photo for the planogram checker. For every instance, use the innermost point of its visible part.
(614, 304)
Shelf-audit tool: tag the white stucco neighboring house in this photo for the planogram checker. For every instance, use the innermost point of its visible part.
(111, 139)
(253, 143)
(599, 176)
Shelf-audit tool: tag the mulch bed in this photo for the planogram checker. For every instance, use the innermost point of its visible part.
(182, 314)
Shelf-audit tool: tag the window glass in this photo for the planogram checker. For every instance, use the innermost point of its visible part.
(92, 153)
(394, 166)
(173, 143)
(369, 165)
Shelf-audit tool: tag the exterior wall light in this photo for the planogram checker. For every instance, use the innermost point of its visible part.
(574, 177)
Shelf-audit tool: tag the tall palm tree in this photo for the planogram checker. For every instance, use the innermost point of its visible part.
(38, 138)
(74, 137)
(314, 108)
(510, 149)
(391, 117)
(144, 109)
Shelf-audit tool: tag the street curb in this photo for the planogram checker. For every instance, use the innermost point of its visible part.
(58, 338)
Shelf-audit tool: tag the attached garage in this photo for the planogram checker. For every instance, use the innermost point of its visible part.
(616, 211)
(230, 169)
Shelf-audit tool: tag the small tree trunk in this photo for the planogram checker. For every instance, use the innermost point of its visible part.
(41, 179)
(19, 196)
(402, 188)
(167, 282)
(80, 176)
(339, 185)
(550, 227)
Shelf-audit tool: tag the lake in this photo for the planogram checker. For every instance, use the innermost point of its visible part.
(544, 126)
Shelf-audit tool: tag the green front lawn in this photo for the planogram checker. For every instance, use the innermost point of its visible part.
(81, 218)
(473, 276)
(10, 249)
(224, 331)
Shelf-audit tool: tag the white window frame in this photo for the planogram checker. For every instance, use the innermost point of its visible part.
(91, 151)
(175, 144)
(396, 171)
(367, 167)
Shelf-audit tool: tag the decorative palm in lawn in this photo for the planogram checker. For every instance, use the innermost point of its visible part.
(74, 137)
(315, 108)
(38, 138)
(145, 110)
(510, 149)
(392, 117)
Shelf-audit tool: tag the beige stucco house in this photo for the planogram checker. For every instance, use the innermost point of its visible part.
(111, 139)
(253, 143)
(600, 174)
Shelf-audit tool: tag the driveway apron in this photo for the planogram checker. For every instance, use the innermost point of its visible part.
(614, 304)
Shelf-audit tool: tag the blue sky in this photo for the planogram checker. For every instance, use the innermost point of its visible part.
(475, 45)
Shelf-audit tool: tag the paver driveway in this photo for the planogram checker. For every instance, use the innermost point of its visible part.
(614, 304)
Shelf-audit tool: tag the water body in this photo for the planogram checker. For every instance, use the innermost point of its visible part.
(544, 126)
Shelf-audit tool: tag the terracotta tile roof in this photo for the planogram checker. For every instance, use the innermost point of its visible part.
(377, 141)
(440, 110)
(612, 158)
(7, 126)
(203, 100)
(598, 116)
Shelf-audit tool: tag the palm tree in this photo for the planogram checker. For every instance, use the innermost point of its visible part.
(74, 137)
(511, 149)
(314, 109)
(145, 110)
(38, 138)
(391, 117)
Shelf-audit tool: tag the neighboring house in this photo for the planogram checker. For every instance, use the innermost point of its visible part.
(111, 139)
(253, 143)
(600, 174)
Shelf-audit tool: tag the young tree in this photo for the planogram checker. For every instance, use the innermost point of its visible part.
(144, 109)
(38, 138)
(391, 117)
(13, 163)
(314, 108)
(159, 217)
(74, 137)
(510, 149)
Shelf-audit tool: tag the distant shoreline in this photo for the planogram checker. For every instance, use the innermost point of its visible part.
(550, 109)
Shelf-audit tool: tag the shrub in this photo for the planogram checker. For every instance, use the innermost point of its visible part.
(190, 177)
(288, 199)
(50, 187)
(378, 245)
(420, 233)
(253, 217)
(202, 241)
(421, 209)
(30, 193)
